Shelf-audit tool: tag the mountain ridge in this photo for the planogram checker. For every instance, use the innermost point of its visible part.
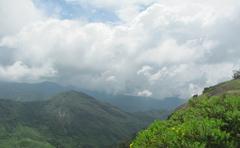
(45, 90)
(70, 119)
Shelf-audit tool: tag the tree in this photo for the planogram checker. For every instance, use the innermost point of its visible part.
(236, 74)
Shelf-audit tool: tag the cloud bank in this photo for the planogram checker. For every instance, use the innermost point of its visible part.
(158, 48)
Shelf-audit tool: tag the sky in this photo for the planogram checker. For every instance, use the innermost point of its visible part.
(151, 48)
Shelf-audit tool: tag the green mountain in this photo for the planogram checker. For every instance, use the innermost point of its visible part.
(210, 120)
(68, 120)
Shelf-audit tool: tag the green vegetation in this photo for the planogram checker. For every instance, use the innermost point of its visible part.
(210, 120)
(22, 137)
(68, 120)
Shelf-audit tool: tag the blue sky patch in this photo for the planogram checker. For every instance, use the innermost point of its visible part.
(66, 10)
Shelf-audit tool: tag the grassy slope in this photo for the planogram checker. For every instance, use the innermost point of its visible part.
(209, 120)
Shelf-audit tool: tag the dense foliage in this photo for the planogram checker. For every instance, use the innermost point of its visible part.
(206, 121)
(22, 137)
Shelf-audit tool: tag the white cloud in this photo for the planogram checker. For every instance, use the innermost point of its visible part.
(145, 70)
(145, 93)
(19, 71)
(169, 49)
(16, 14)
(111, 78)
(170, 52)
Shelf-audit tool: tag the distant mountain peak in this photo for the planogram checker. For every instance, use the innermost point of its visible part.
(73, 94)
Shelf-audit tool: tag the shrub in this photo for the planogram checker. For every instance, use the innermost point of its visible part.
(205, 122)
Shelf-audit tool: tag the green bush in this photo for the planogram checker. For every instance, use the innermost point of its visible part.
(204, 122)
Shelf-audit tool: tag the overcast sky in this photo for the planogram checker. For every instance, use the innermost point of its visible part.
(158, 48)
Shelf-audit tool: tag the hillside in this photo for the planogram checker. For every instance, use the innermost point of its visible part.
(209, 120)
(69, 119)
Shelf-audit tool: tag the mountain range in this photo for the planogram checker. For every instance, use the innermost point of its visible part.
(69, 119)
(48, 115)
(45, 90)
